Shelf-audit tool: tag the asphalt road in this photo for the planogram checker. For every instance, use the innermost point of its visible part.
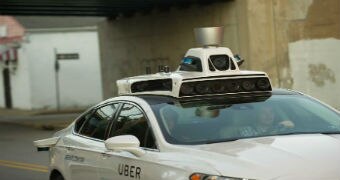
(19, 159)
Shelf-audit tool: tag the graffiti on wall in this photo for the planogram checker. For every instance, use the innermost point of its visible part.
(320, 73)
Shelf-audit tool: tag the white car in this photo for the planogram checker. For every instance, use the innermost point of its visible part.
(206, 121)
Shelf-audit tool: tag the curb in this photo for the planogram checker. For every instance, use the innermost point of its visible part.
(42, 125)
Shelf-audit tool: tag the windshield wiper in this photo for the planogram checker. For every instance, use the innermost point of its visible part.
(331, 132)
(283, 134)
(294, 133)
(222, 140)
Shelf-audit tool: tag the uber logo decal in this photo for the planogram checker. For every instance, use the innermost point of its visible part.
(130, 171)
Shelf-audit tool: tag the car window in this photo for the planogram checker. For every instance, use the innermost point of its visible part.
(191, 63)
(220, 62)
(132, 121)
(95, 126)
(81, 121)
(225, 119)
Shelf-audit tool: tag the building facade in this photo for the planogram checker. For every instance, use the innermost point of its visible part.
(11, 35)
(77, 81)
(56, 68)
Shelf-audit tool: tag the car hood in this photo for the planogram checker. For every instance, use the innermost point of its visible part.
(307, 156)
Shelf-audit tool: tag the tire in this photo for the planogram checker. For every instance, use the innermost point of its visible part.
(56, 176)
(59, 177)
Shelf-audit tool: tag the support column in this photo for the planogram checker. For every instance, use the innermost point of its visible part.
(257, 36)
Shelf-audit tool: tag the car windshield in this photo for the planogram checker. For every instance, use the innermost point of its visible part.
(227, 119)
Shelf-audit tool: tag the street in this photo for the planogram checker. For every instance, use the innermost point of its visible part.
(163, 90)
(19, 159)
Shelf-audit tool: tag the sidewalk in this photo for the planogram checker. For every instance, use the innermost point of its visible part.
(42, 119)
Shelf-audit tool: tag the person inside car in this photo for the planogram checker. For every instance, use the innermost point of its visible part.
(265, 123)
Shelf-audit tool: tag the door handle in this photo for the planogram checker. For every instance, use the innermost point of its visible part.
(69, 149)
(105, 155)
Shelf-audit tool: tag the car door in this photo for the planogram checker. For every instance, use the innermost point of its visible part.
(122, 165)
(87, 143)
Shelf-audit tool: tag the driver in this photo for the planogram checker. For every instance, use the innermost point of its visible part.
(265, 124)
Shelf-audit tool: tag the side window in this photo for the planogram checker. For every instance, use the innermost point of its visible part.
(131, 121)
(95, 126)
(191, 63)
(81, 121)
(220, 62)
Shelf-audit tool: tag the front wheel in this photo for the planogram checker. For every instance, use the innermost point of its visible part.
(57, 176)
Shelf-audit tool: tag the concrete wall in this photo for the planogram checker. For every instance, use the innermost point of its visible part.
(79, 80)
(296, 42)
(307, 47)
(315, 67)
(20, 81)
(129, 45)
(264, 32)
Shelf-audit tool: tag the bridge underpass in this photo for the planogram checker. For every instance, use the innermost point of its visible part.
(91, 7)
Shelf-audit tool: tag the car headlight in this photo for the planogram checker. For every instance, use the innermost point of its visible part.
(200, 176)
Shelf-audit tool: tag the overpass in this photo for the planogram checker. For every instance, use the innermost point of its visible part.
(271, 35)
(110, 8)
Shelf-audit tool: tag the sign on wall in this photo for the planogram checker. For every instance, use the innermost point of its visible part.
(67, 56)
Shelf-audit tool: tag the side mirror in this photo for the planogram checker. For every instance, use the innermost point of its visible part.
(239, 60)
(45, 144)
(124, 143)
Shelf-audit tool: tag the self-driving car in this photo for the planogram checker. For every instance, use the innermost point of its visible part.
(208, 120)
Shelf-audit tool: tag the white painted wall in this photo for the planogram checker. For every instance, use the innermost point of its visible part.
(20, 82)
(2, 93)
(80, 80)
(315, 67)
(2, 96)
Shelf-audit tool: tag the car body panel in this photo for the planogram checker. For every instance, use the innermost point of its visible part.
(276, 156)
(302, 156)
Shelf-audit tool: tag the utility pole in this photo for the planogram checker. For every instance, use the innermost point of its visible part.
(57, 68)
